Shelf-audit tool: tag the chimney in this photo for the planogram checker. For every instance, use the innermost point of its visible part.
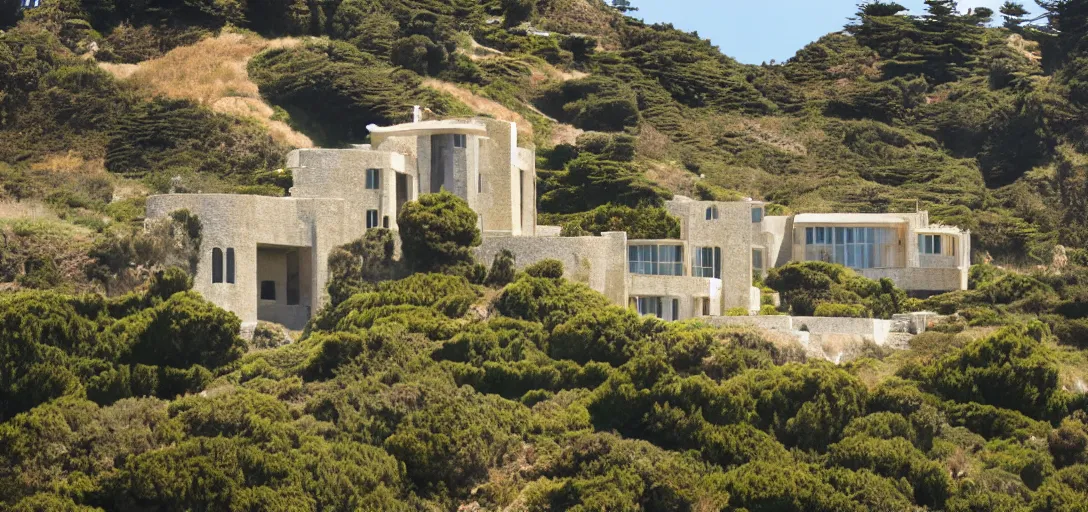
(417, 115)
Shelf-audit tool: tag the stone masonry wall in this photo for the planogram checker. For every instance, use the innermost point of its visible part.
(599, 262)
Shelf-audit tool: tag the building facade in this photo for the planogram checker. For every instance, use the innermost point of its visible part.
(265, 258)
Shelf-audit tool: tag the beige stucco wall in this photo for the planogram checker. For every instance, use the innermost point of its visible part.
(731, 231)
(500, 205)
(921, 279)
(778, 239)
(599, 262)
(684, 288)
(242, 222)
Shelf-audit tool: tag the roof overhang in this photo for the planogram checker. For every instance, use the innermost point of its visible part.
(434, 127)
(865, 219)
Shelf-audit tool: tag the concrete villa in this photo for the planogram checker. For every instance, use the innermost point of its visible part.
(265, 257)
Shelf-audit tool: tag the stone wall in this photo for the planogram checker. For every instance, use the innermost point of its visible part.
(921, 279)
(768, 322)
(500, 205)
(242, 222)
(732, 232)
(597, 261)
(684, 288)
(873, 329)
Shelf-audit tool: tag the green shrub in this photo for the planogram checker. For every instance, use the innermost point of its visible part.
(593, 103)
(736, 312)
(841, 310)
(502, 269)
(1011, 368)
(355, 267)
(438, 232)
(643, 223)
(547, 269)
(182, 331)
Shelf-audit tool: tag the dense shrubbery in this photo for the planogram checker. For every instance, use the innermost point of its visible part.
(159, 343)
(825, 289)
(415, 400)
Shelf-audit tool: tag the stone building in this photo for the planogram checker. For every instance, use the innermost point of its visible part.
(265, 258)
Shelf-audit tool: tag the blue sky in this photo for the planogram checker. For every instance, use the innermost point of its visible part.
(760, 30)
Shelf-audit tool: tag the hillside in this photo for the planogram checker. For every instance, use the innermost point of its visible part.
(987, 135)
(437, 382)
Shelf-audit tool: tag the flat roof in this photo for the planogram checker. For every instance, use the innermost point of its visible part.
(948, 230)
(429, 127)
(848, 218)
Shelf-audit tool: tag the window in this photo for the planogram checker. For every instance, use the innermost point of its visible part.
(757, 214)
(217, 265)
(663, 260)
(230, 265)
(853, 247)
(371, 219)
(757, 261)
(268, 290)
(664, 308)
(460, 140)
(649, 306)
(706, 305)
(707, 262)
(929, 244)
(712, 213)
(373, 179)
(385, 221)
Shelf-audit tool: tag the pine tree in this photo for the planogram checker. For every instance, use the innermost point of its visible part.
(1013, 13)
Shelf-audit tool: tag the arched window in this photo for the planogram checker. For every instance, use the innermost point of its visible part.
(230, 265)
(712, 213)
(217, 265)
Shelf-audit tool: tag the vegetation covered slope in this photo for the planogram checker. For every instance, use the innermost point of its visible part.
(980, 125)
(433, 393)
(437, 392)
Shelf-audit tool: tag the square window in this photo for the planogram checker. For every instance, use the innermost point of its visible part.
(373, 179)
(268, 290)
(757, 259)
(460, 140)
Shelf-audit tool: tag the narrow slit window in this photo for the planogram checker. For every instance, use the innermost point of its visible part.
(230, 265)
(373, 179)
(217, 265)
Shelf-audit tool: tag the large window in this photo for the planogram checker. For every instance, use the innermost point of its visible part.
(853, 247)
(373, 179)
(930, 244)
(656, 260)
(707, 262)
(665, 308)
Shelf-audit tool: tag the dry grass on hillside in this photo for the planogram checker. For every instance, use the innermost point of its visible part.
(213, 73)
(590, 17)
(483, 105)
